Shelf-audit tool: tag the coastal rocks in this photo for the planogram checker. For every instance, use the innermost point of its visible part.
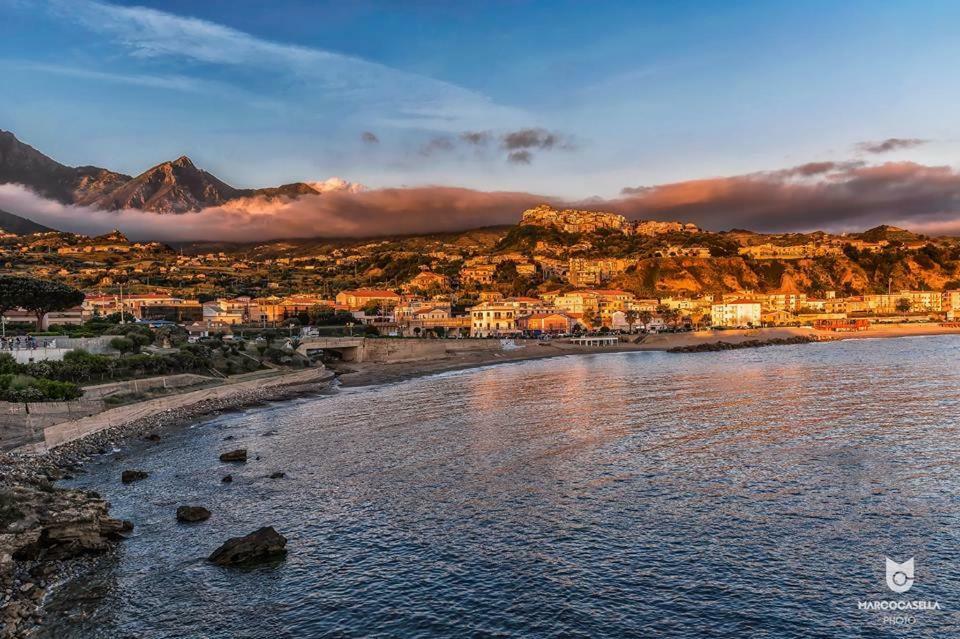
(278, 475)
(227, 479)
(263, 545)
(152, 437)
(239, 455)
(130, 476)
(752, 343)
(191, 514)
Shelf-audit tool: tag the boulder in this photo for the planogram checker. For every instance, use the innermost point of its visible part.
(130, 476)
(278, 475)
(239, 455)
(190, 514)
(152, 437)
(227, 479)
(263, 545)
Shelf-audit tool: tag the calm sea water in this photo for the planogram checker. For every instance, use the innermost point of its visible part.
(753, 493)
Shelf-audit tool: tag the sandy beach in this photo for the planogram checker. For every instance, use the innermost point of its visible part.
(370, 373)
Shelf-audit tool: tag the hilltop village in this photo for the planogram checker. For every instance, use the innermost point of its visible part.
(556, 272)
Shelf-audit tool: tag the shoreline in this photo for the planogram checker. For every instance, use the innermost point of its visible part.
(50, 532)
(354, 375)
(26, 581)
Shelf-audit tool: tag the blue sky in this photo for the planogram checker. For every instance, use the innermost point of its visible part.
(617, 94)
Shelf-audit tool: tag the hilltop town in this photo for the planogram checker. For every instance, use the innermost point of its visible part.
(557, 271)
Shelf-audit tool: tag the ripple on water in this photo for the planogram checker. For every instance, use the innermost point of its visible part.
(741, 493)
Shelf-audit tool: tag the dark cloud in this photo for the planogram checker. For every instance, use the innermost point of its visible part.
(436, 145)
(846, 195)
(369, 138)
(476, 138)
(890, 144)
(531, 139)
(520, 157)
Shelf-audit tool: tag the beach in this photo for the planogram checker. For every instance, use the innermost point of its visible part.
(369, 373)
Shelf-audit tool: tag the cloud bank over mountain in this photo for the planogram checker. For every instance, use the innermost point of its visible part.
(833, 196)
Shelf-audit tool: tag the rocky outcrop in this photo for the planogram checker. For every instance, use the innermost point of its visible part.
(239, 455)
(41, 527)
(130, 476)
(265, 544)
(191, 514)
(751, 343)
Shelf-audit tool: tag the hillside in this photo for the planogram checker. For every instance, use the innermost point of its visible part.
(20, 225)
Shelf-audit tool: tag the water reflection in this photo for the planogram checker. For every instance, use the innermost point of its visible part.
(747, 492)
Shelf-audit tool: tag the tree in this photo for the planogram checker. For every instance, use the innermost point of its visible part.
(122, 344)
(37, 296)
(645, 318)
(903, 305)
(631, 317)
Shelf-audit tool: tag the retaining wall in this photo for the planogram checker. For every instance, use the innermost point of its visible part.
(23, 423)
(53, 436)
(102, 391)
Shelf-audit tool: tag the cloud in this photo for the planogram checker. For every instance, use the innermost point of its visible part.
(375, 91)
(169, 82)
(335, 214)
(890, 144)
(846, 195)
(531, 139)
(519, 157)
(476, 138)
(436, 145)
(841, 197)
(369, 138)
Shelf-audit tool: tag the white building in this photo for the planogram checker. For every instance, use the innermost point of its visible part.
(736, 314)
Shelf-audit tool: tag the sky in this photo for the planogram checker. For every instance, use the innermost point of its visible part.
(566, 100)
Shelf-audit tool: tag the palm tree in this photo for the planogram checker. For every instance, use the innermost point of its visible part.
(645, 318)
(631, 317)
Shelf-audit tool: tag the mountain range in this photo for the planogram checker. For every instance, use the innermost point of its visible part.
(176, 186)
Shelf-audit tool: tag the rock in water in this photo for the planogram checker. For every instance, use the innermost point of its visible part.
(262, 545)
(278, 475)
(190, 514)
(227, 479)
(239, 455)
(130, 476)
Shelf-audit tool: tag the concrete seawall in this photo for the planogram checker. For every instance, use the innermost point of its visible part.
(101, 391)
(391, 350)
(62, 433)
(22, 423)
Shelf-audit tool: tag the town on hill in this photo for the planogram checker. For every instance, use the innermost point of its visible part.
(556, 271)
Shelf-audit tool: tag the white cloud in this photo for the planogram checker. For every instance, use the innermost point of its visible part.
(386, 95)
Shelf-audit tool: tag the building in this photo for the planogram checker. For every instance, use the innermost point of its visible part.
(741, 313)
(547, 322)
(478, 274)
(491, 319)
(357, 299)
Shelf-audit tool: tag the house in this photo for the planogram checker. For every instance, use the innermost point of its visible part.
(357, 299)
(740, 313)
(494, 319)
(547, 322)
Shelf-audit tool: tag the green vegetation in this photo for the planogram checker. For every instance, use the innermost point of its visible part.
(37, 296)
(24, 388)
